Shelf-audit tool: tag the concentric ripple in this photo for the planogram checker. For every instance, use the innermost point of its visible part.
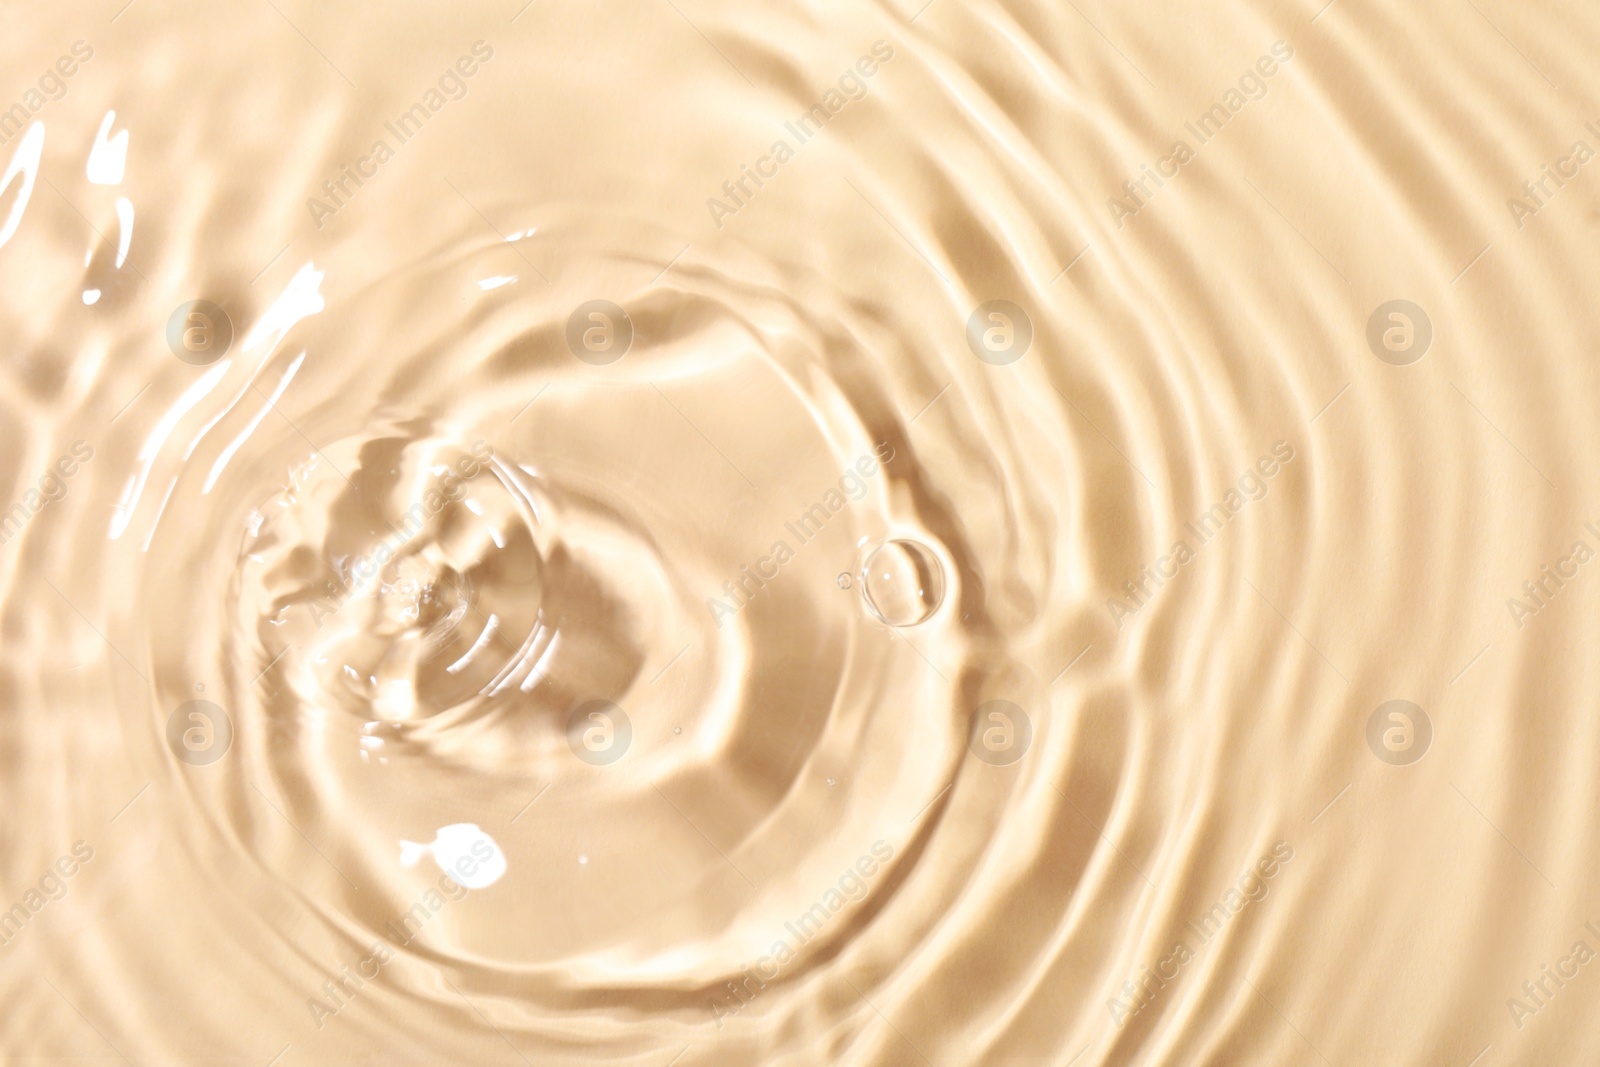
(588, 580)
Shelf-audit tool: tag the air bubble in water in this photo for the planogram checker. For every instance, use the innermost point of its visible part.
(903, 582)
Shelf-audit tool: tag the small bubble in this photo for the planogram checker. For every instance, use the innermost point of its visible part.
(903, 582)
(830, 781)
(844, 581)
(677, 729)
(200, 687)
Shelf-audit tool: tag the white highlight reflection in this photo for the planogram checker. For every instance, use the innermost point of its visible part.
(483, 639)
(158, 437)
(464, 852)
(124, 228)
(238, 442)
(300, 299)
(26, 163)
(108, 159)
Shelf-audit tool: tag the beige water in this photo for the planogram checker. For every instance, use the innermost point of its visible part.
(667, 533)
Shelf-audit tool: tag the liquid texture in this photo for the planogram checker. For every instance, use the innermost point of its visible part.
(675, 533)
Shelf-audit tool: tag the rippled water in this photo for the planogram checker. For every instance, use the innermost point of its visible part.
(665, 534)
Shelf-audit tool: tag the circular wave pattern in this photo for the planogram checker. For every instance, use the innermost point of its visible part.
(864, 581)
(482, 592)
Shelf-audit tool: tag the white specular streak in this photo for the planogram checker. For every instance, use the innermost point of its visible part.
(108, 159)
(160, 511)
(238, 442)
(483, 639)
(124, 228)
(301, 298)
(538, 666)
(207, 428)
(194, 444)
(26, 163)
(158, 437)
